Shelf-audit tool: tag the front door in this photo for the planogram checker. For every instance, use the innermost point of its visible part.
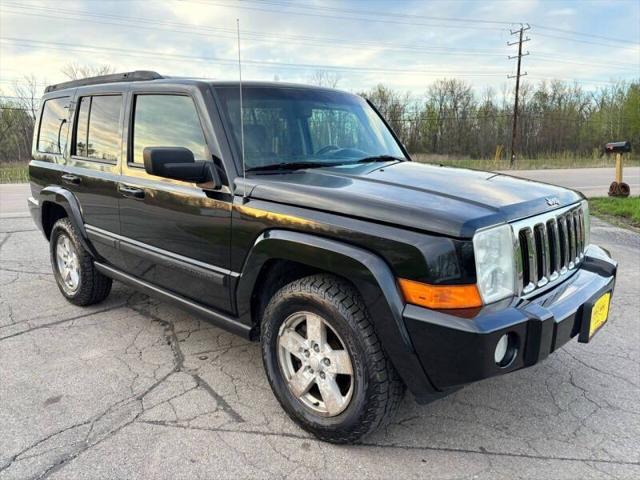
(174, 234)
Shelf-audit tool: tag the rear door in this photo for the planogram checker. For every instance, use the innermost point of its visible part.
(94, 165)
(174, 234)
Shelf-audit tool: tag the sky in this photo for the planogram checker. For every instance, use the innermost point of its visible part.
(404, 44)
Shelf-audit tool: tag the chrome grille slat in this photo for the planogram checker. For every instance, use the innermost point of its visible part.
(555, 246)
(564, 243)
(532, 260)
(574, 236)
(548, 246)
(545, 254)
(580, 229)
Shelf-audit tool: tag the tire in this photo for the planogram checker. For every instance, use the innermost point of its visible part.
(369, 397)
(85, 286)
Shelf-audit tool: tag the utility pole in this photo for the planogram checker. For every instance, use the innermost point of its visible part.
(517, 76)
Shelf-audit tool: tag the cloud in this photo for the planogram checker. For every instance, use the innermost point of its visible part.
(561, 12)
(194, 38)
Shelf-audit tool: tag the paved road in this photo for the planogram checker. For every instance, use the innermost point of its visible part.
(593, 182)
(13, 199)
(134, 388)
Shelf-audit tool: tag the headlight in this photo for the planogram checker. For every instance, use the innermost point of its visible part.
(587, 223)
(495, 269)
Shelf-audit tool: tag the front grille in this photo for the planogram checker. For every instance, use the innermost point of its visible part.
(548, 247)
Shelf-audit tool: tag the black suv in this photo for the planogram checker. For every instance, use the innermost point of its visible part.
(359, 271)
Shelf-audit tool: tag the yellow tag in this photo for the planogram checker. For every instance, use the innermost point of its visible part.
(599, 313)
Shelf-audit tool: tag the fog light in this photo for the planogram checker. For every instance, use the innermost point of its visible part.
(506, 350)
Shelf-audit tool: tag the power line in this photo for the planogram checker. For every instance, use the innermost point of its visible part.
(342, 17)
(583, 34)
(396, 14)
(225, 61)
(623, 66)
(569, 39)
(379, 13)
(265, 36)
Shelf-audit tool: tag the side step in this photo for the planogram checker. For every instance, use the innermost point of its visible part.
(216, 318)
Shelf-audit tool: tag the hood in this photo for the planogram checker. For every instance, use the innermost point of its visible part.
(448, 201)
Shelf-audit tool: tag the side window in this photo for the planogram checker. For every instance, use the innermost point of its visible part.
(167, 121)
(52, 137)
(82, 127)
(98, 131)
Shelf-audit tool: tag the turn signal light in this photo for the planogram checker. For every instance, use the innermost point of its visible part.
(440, 296)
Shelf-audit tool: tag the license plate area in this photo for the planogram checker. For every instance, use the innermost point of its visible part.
(596, 314)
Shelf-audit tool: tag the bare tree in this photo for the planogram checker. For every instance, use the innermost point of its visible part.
(324, 78)
(28, 96)
(75, 71)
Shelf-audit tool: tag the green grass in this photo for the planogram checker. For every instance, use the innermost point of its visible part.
(625, 211)
(14, 173)
(558, 161)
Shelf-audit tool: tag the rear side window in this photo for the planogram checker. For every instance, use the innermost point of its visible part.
(52, 137)
(98, 131)
(167, 121)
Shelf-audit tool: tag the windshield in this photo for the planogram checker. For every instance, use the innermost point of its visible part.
(300, 127)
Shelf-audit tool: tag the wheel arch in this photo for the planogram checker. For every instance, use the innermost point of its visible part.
(366, 271)
(57, 202)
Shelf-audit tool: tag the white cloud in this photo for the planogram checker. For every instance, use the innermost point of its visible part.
(561, 12)
(207, 31)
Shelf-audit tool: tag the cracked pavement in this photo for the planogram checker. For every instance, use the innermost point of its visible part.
(134, 388)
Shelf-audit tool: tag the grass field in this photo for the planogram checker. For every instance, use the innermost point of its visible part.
(14, 173)
(625, 211)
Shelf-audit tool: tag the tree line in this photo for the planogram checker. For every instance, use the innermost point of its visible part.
(555, 118)
(450, 118)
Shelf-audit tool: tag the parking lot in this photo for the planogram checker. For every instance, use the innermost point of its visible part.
(136, 388)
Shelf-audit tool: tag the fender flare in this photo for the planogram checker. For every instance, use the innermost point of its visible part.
(369, 273)
(67, 200)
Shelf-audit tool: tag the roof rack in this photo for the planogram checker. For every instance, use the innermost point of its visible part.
(136, 76)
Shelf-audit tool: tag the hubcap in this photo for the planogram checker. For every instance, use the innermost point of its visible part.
(315, 364)
(68, 263)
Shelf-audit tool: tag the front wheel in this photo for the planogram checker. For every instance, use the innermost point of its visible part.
(324, 361)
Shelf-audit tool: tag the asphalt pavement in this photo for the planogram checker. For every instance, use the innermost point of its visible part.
(592, 182)
(134, 388)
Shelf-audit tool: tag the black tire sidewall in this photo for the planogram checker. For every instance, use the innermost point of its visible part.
(63, 227)
(275, 315)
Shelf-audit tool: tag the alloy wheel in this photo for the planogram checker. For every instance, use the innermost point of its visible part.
(68, 263)
(315, 363)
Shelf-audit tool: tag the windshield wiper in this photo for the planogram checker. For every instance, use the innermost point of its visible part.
(290, 166)
(380, 158)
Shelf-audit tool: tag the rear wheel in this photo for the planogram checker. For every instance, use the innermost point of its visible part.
(73, 268)
(324, 361)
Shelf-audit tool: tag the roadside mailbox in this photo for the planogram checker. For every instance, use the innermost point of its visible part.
(618, 188)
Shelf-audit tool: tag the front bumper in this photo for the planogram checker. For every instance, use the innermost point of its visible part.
(455, 350)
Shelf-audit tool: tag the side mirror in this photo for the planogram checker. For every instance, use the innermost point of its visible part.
(178, 163)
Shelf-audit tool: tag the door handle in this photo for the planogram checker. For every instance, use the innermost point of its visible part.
(71, 179)
(130, 192)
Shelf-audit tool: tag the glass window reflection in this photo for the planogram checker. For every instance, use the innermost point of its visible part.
(98, 128)
(167, 121)
(54, 127)
(82, 126)
(104, 138)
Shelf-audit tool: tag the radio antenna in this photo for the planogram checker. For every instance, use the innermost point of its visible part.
(244, 170)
